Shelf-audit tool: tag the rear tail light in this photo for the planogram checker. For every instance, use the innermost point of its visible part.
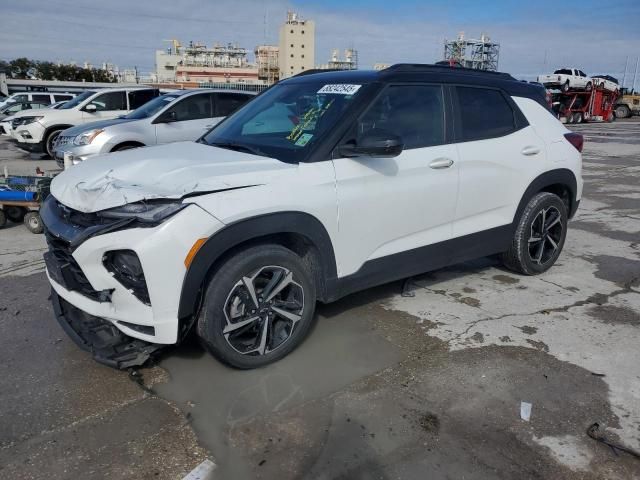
(576, 140)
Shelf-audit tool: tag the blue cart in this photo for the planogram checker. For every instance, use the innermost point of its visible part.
(20, 200)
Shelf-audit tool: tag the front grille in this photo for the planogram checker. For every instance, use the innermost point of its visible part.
(62, 141)
(78, 281)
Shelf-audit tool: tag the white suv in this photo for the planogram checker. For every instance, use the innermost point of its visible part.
(37, 130)
(325, 184)
(40, 97)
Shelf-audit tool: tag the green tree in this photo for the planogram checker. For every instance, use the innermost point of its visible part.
(21, 67)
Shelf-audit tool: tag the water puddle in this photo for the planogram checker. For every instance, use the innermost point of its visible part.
(218, 399)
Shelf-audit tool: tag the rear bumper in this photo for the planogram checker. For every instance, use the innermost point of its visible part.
(107, 344)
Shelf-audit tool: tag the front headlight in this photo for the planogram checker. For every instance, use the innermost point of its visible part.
(25, 120)
(87, 137)
(153, 211)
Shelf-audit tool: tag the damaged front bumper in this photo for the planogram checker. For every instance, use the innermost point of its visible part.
(112, 313)
(107, 344)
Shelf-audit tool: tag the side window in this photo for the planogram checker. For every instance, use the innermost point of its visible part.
(484, 113)
(61, 98)
(193, 107)
(137, 98)
(21, 98)
(110, 101)
(18, 107)
(227, 103)
(413, 112)
(581, 73)
(42, 98)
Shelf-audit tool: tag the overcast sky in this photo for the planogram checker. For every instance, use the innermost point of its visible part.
(594, 35)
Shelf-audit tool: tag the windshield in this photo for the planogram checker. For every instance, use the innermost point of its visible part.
(152, 107)
(77, 100)
(286, 120)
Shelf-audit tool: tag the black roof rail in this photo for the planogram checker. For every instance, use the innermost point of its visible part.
(311, 71)
(427, 67)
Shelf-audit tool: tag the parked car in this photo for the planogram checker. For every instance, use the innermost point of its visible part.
(606, 82)
(41, 97)
(12, 108)
(359, 178)
(36, 131)
(182, 115)
(567, 79)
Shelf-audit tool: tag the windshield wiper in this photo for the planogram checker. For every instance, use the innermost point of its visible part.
(238, 147)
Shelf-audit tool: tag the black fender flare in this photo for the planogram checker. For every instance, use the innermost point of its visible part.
(54, 127)
(560, 176)
(234, 234)
(134, 143)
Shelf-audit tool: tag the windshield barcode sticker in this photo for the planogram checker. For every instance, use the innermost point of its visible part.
(340, 89)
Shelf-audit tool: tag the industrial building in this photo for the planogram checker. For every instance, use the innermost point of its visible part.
(297, 45)
(481, 54)
(348, 62)
(199, 65)
(267, 58)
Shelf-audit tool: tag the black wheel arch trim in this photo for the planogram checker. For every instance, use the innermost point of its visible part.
(127, 142)
(232, 235)
(53, 128)
(560, 176)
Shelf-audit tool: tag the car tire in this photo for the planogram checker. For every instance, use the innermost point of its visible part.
(588, 87)
(565, 87)
(15, 214)
(245, 327)
(3, 219)
(33, 222)
(50, 141)
(622, 111)
(539, 235)
(577, 117)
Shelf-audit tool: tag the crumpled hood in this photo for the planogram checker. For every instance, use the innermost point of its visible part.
(85, 127)
(165, 171)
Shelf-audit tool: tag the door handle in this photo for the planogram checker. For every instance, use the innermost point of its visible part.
(440, 163)
(207, 127)
(531, 150)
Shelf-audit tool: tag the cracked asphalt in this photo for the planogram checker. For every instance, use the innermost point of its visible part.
(422, 385)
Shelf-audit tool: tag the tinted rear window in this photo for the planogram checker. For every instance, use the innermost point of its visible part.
(137, 98)
(485, 113)
(227, 103)
(563, 71)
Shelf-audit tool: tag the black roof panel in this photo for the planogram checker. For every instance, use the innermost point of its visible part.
(412, 72)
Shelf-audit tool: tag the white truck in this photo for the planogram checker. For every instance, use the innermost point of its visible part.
(567, 79)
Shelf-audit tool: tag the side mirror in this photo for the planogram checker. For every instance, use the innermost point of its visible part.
(374, 143)
(167, 117)
(91, 108)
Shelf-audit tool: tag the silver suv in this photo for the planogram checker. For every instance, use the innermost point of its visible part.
(177, 116)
